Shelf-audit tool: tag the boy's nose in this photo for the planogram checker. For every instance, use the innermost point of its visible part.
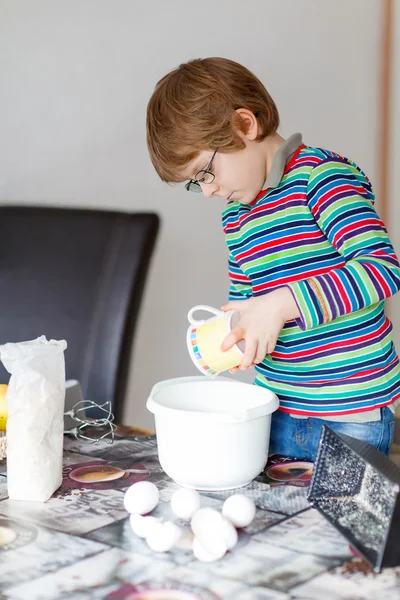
(209, 189)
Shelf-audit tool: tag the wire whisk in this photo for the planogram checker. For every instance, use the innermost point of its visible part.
(87, 427)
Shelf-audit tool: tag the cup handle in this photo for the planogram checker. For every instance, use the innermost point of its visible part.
(214, 311)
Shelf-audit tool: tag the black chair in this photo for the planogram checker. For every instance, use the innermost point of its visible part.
(77, 275)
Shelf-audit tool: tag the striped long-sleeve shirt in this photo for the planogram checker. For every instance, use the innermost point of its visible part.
(317, 232)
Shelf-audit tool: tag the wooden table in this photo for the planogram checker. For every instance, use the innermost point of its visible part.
(79, 544)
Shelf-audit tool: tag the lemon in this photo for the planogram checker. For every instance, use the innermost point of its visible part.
(3, 406)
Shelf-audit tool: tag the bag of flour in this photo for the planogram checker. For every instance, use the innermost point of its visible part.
(35, 426)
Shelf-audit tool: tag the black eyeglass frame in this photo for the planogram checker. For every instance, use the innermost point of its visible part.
(193, 185)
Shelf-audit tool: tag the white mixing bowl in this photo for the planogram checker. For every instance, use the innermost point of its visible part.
(212, 433)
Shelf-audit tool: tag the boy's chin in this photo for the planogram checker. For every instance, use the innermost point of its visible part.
(245, 200)
(242, 198)
(248, 197)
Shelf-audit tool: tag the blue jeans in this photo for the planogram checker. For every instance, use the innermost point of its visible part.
(299, 438)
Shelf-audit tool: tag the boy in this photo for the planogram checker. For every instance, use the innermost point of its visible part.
(310, 262)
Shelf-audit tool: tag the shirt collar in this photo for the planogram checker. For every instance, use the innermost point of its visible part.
(282, 156)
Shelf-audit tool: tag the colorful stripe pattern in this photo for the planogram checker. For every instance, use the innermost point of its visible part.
(197, 354)
(318, 234)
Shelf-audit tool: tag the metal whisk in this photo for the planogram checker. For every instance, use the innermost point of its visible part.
(86, 427)
(77, 423)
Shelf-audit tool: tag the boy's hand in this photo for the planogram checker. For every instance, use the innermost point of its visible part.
(262, 319)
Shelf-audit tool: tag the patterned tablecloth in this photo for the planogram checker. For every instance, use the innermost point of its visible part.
(79, 544)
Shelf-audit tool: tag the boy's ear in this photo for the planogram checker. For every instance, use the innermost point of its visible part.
(249, 123)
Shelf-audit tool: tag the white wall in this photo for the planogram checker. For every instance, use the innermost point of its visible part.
(76, 76)
(394, 168)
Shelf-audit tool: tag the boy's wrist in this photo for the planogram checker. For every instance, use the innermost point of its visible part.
(287, 304)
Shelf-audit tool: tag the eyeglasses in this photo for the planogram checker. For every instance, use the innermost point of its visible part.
(203, 176)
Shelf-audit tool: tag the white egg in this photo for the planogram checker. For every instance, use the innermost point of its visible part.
(185, 503)
(204, 517)
(207, 526)
(239, 509)
(141, 498)
(201, 514)
(229, 533)
(163, 536)
(141, 525)
(202, 554)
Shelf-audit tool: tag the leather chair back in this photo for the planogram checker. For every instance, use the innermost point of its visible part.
(77, 275)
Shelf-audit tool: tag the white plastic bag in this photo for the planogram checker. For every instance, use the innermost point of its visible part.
(35, 426)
